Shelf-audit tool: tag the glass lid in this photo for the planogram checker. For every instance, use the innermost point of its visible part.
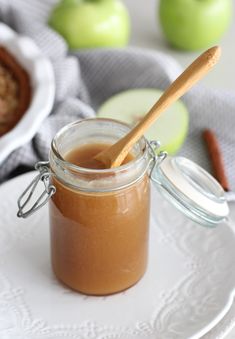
(191, 189)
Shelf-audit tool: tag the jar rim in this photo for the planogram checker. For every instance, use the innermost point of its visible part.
(78, 169)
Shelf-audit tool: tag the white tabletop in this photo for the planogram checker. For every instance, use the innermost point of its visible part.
(146, 33)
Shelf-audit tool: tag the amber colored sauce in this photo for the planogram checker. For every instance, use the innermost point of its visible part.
(99, 241)
(84, 156)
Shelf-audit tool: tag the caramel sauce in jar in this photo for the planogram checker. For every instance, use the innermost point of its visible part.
(99, 218)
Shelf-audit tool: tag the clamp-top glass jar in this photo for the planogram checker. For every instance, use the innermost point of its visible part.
(99, 219)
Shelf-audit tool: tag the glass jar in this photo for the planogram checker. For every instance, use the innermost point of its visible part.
(99, 219)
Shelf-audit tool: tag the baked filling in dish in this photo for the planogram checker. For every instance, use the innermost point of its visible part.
(15, 91)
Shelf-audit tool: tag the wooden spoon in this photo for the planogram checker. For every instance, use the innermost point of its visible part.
(114, 155)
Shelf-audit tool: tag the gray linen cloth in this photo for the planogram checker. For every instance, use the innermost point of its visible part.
(86, 78)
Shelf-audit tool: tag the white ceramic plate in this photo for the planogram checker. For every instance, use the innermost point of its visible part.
(186, 291)
(43, 85)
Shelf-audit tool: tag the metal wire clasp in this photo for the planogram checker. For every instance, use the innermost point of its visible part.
(153, 145)
(44, 176)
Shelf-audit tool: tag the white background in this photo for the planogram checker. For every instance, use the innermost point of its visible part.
(146, 32)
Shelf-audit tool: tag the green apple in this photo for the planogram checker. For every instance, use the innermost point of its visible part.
(194, 24)
(91, 23)
(130, 106)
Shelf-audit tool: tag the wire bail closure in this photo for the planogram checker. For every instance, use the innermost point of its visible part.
(153, 145)
(44, 175)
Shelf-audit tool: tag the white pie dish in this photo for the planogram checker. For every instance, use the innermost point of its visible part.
(41, 75)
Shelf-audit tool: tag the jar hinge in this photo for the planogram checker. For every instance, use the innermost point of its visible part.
(44, 175)
(153, 145)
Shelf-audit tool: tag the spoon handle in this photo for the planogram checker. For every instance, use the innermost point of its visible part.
(197, 70)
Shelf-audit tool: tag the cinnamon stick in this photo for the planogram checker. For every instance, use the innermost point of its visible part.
(216, 158)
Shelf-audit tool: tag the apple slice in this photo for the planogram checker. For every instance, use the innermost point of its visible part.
(130, 106)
